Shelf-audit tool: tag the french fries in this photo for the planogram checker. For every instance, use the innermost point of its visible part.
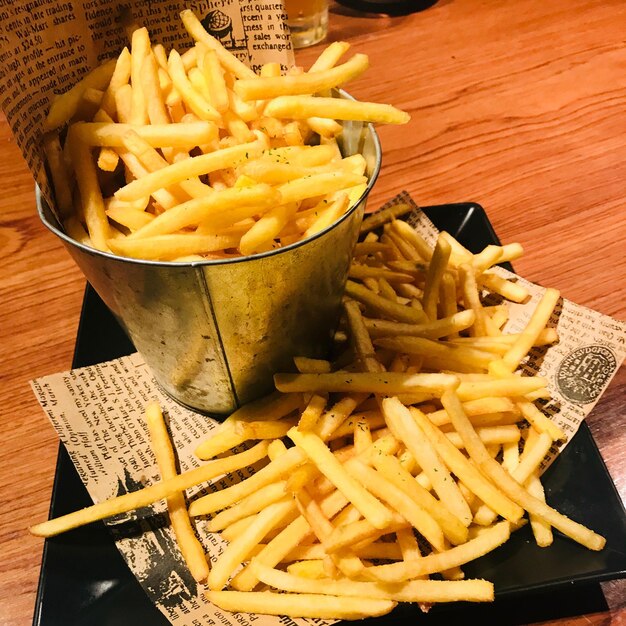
(180, 128)
(415, 451)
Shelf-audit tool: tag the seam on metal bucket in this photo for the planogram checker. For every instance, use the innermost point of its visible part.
(211, 311)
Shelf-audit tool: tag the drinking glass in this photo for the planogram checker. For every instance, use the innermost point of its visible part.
(307, 20)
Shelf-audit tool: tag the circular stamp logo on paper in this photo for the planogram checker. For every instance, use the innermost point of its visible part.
(584, 372)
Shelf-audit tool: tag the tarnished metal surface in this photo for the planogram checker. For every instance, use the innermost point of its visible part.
(214, 332)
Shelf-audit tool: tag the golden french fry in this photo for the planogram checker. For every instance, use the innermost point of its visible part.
(190, 547)
(214, 76)
(140, 50)
(410, 591)
(404, 427)
(150, 495)
(487, 541)
(303, 604)
(60, 175)
(194, 211)
(194, 100)
(539, 320)
(240, 548)
(511, 487)
(64, 107)
(381, 383)
(369, 506)
(312, 82)
(120, 76)
(170, 246)
(230, 62)
(271, 472)
(180, 135)
(91, 199)
(303, 107)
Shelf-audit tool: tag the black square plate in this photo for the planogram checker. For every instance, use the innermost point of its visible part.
(85, 582)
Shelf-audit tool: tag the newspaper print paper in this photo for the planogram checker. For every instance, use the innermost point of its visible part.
(97, 412)
(47, 46)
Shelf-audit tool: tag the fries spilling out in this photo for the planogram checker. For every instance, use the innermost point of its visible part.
(415, 449)
(188, 157)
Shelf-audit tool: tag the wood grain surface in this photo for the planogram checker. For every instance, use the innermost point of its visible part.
(519, 106)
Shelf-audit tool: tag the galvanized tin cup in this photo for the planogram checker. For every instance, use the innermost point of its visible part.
(214, 332)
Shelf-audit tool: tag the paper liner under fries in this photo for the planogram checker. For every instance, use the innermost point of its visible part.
(97, 412)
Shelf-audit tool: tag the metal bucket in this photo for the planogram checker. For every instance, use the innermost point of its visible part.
(214, 332)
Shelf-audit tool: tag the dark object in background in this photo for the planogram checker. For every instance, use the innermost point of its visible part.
(389, 7)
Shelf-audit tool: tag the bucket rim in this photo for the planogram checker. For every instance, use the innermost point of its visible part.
(58, 231)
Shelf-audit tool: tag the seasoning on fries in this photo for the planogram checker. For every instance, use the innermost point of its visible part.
(416, 448)
(171, 156)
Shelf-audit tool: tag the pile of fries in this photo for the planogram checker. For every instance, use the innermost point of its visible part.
(192, 157)
(415, 450)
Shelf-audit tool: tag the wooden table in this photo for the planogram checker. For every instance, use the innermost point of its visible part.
(519, 106)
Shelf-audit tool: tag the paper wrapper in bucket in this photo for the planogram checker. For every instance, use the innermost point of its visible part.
(47, 46)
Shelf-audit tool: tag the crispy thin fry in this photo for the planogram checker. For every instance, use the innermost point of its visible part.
(540, 422)
(312, 413)
(375, 220)
(437, 355)
(303, 605)
(190, 547)
(429, 330)
(413, 591)
(369, 506)
(64, 106)
(385, 490)
(271, 472)
(180, 135)
(506, 288)
(436, 270)
(303, 107)
(395, 311)
(92, 202)
(540, 318)
(240, 548)
(250, 505)
(511, 487)
(406, 429)
(437, 562)
(230, 62)
(391, 468)
(383, 383)
(151, 494)
(542, 531)
(311, 82)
